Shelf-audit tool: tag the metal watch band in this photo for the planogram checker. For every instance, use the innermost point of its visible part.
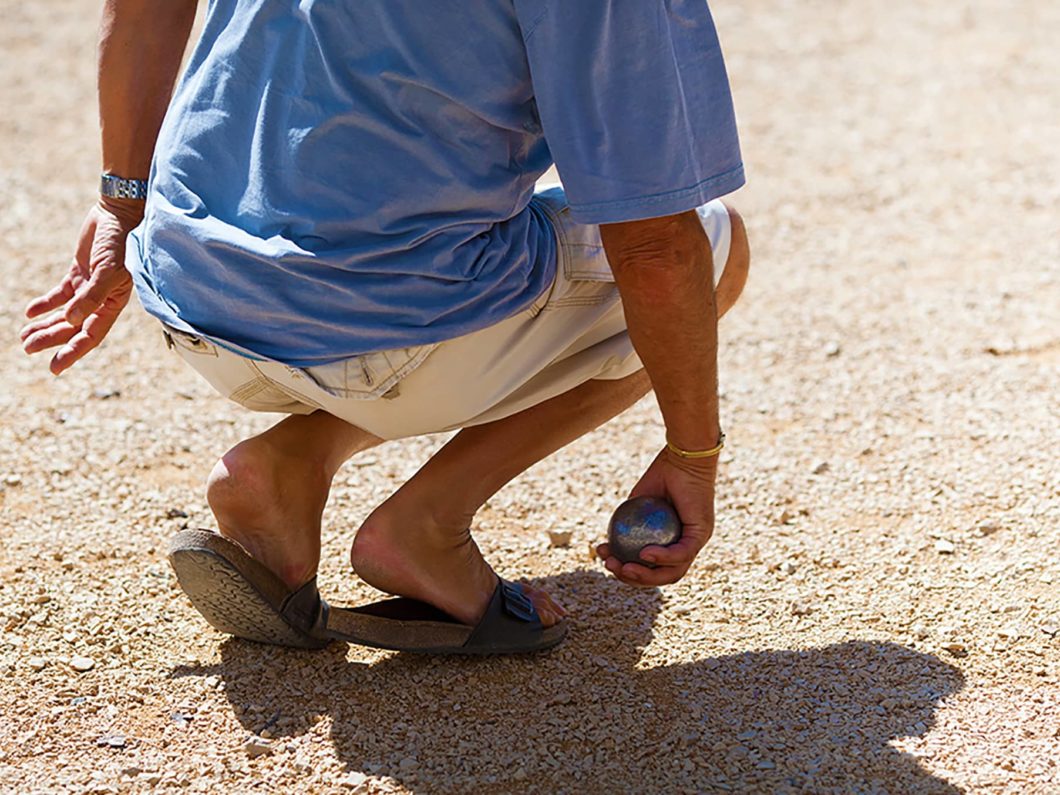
(115, 187)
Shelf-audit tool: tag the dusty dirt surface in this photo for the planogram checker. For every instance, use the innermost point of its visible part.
(880, 608)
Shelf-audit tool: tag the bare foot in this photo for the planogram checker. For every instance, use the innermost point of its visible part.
(271, 504)
(402, 549)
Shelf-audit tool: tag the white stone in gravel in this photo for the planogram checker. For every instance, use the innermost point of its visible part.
(12, 480)
(944, 547)
(37, 663)
(81, 663)
(355, 779)
(255, 747)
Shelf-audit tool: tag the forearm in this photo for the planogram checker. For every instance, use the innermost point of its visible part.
(664, 273)
(141, 44)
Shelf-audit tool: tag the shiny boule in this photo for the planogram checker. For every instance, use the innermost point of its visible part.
(642, 522)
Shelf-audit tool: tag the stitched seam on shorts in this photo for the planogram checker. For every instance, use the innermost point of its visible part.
(575, 301)
(591, 276)
(542, 300)
(379, 388)
(294, 394)
(291, 393)
(248, 390)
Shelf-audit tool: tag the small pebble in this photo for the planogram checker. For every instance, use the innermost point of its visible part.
(355, 779)
(944, 547)
(36, 663)
(956, 649)
(559, 538)
(256, 746)
(81, 663)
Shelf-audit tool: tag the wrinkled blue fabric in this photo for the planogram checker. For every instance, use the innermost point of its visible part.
(337, 177)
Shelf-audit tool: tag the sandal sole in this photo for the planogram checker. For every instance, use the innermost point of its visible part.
(230, 603)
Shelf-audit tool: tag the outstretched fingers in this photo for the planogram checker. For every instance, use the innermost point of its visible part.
(89, 336)
(52, 331)
(53, 299)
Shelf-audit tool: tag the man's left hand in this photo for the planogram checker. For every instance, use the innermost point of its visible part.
(78, 312)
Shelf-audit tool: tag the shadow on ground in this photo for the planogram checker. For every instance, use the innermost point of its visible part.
(586, 718)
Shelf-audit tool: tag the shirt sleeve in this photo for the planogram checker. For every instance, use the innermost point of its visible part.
(634, 104)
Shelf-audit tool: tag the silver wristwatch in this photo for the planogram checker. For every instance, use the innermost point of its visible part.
(115, 187)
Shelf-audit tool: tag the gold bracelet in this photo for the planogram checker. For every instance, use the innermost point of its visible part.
(698, 453)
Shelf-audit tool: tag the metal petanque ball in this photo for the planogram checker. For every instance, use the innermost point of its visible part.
(642, 522)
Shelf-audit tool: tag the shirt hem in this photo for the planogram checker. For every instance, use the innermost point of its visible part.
(659, 204)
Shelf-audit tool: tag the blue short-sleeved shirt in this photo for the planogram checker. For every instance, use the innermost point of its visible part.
(336, 177)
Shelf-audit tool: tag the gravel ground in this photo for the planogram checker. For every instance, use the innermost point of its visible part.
(880, 609)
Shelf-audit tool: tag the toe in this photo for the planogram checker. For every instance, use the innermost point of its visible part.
(550, 612)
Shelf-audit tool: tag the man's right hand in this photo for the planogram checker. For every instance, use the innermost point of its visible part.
(663, 268)
(81, 309)
(688, 484)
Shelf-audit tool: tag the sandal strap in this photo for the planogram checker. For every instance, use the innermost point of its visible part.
(306, 610)
(509, 620)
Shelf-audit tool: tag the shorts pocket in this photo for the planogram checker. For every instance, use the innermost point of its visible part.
(583, 274)
(188, 343)
(370, 376)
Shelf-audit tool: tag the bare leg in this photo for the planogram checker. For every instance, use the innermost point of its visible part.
(418, 542)
(269, 491)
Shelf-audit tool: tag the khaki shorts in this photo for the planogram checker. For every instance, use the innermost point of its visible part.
(574, 332)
